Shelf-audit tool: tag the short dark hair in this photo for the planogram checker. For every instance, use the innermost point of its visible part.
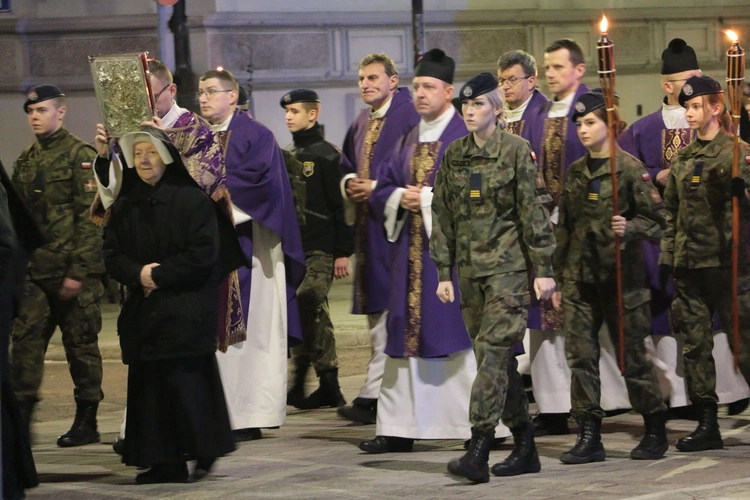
(575, 52)
(160, 71)
(223, 76)
(518, 57)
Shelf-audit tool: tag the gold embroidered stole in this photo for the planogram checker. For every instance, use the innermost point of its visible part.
(374, 127)
(552, 166)
(423, 163)
(553, 156)
(516, 128)
(673, 140)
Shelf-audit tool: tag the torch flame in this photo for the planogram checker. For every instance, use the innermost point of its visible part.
(732, 35)
(219, 68)
(604, 24)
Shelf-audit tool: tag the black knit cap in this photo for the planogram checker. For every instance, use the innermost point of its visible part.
(242, 96)
(698, 85)
(478, 85)
(678, 57)
(41, 93)
(587, 103)
(436, 64)
(299, 95)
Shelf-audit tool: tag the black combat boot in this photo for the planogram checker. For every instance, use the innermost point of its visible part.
(588, 446)
(654, 443)
(737, 407)
(362, 410)
(83, 431)
(327, 395)
(164, 473)
(474, 465)
(296, 394)
(707, 435)
(523, 458)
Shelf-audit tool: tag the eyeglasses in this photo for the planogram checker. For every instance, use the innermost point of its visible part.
(512, 80)
(210, 93)
(158, 94)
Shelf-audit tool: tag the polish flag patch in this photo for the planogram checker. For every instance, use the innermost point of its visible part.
(646, 177)
(86, 165)
(747, 159)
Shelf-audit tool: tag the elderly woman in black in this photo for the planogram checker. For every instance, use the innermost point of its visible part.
(162, 244)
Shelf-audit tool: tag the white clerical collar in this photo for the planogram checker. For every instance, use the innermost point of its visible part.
(172, 115)
(221, 127)
(431, 131)
(673, 116)
(513, 115)
(561, 107)
(383, 109)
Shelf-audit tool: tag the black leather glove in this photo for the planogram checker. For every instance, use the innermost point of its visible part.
(737, 187)
(665, 271)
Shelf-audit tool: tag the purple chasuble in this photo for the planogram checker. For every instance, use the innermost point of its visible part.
(649, 140)
(531, 124)
(371, 287)
(260, 187)
(440, 329)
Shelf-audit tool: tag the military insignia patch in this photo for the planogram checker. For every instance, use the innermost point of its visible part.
(655, 196)
(747, 159)
(687, 89)
(646, 177)
(533, 156)
(580, 107)
(308, 168)
(90, 186)
(468, 92)
(288, 98)
(33, 96)
(86, 165)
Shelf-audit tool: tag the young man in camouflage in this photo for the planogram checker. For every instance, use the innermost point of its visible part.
(488, 220)
(328, 243)
(63, 284)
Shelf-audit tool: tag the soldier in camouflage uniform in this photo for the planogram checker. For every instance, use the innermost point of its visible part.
(584, 264)
(697, 247)
(328, 242)
(63, 285)
(489, 221)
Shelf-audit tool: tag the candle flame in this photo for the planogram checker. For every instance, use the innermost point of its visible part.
(604, 24)
(219, 68)
(732, 35)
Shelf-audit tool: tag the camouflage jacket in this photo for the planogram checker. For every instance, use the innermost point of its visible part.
(585, 240)
(55, 177)
(488, 216)
(699, 205)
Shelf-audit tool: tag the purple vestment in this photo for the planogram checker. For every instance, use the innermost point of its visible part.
(441, 329)
(399, 119)
(649, 140)
(531, 123)
(259, 186)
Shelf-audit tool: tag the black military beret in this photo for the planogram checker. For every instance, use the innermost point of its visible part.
(299, 95)
(436, 64)
(587, 103)
(699, 85)
(478, 85)
(41, 93)
(678, 57)
(242, 96)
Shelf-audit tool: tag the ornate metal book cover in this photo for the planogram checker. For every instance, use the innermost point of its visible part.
(123, 91)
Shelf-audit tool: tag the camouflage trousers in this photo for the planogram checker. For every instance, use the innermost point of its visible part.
(495, 310)
(585, 307)
(318, 345)
(80, 321)
(699, 293)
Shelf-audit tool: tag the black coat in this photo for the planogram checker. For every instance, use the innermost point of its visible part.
(174, 224)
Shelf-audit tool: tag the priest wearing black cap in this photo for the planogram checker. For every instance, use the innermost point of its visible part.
(655, 139)
(697, 249)
(430, 365)
(490, 228)
(584, 265)
(328, 243)
(55, 179)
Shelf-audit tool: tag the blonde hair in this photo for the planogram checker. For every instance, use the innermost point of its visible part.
(498, 100)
